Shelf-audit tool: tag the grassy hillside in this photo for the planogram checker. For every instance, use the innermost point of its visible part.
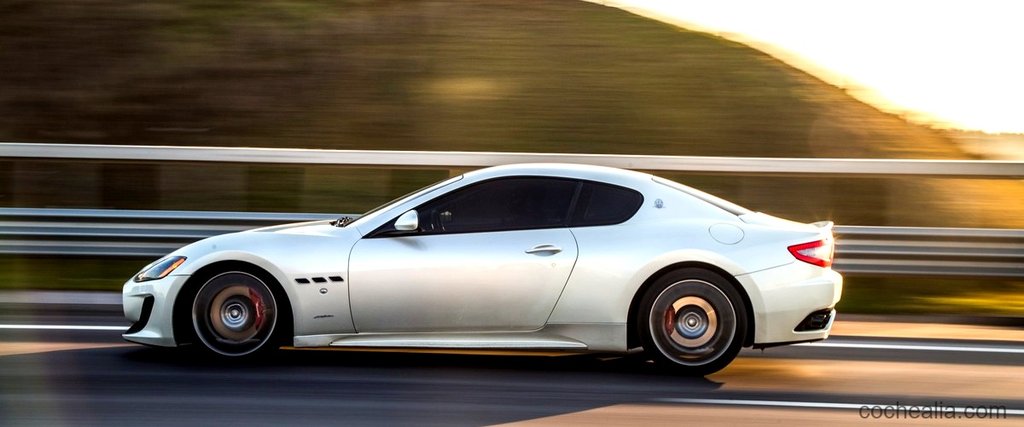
(433, 75)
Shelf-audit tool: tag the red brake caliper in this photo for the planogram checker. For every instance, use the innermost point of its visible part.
(670, 320)
(257, 302)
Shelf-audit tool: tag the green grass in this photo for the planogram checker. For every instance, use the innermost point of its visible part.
(67, 273)
(879, 295)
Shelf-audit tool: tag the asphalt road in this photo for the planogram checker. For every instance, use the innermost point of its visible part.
(52, 375)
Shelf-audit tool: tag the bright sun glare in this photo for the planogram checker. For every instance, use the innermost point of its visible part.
(949, 63)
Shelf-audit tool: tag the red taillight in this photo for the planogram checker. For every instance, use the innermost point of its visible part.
(819, 253)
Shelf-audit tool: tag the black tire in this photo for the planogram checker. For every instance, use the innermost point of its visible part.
(239, 313)
(692, 321)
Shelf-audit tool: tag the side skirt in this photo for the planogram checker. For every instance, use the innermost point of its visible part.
(574, 338)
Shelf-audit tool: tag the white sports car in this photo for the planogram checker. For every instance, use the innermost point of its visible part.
(535, 257)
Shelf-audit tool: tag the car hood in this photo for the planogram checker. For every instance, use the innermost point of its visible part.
(293, 248)
(311, 228)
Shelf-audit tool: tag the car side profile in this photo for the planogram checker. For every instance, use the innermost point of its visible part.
(530, 257)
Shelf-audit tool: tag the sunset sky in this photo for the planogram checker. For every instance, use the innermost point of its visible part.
(949, 63)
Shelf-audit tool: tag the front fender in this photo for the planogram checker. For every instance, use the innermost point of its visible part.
(311, 269)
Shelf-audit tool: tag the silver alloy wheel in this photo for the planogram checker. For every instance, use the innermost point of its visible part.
(692, 322)
(234, 313)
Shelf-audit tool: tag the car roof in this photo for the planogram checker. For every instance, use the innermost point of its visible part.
(562, 170)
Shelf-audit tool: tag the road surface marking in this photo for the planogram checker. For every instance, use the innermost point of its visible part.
(809, 405)
(20, 348)
(920, 347)
(65, 327)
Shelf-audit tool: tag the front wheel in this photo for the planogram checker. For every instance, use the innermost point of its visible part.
(235, 314)
(693, 321)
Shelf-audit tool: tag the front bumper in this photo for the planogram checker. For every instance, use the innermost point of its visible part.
(786, 296)
(150, 305)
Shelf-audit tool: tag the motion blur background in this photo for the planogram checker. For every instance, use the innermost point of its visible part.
(554, 76)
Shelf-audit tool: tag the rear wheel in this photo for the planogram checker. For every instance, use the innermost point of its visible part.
(236, 314)
(693, 321)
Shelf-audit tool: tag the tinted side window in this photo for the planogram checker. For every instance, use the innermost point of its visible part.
(603, 204)
(502, 204)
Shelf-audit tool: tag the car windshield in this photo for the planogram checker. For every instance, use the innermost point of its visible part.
(405, 197)
(714, 200)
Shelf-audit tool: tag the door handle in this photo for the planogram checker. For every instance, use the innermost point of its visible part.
(544, 249)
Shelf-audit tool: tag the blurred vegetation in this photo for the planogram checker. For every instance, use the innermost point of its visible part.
(495, 75)
(58, 273)
(537, 76)
(881, 295)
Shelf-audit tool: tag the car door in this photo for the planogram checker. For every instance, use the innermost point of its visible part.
(493, 256)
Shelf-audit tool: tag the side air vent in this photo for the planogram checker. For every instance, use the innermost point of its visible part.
(318, 279)
(147, 310)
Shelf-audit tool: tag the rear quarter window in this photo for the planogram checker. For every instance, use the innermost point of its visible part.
(605, 204)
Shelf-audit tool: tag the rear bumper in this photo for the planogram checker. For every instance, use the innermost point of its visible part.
(149, 306)
(786, 296)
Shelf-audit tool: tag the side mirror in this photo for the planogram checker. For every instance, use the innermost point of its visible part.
(409, 221)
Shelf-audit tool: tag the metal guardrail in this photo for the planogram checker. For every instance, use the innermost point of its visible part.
(889, 251)
(460, 159)
(861, 250)
(123, 233)
(918, 251)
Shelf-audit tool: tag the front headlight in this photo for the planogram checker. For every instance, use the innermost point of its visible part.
(159, 269)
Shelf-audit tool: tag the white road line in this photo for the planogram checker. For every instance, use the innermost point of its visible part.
(821, 405)
(921, 347)
(65, 327)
